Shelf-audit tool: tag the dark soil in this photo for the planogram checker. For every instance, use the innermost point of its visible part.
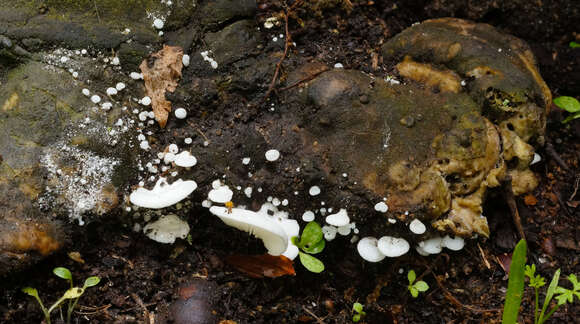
(140, 278)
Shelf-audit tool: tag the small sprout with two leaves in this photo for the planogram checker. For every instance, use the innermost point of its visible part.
(357, 312)
(311, 242)
(415, 287)
(571, 105)
(72, 294)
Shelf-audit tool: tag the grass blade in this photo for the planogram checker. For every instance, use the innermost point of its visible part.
(515, 289)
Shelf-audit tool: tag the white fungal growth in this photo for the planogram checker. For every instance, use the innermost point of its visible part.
(136, 75)
(246, 161)
(248, 192)
(393, 246)
(185, 60)
(166, 229)
(173, 148)
(417, 227)
(381, 207)
(329, 232)
(158, 23)
(145, 101)
(308, 216)
(95, 99)
(272, 155)
(185, 160)
(180, 113)
(314, 191)
(221, 195)
(86, 92)
(163, 194)
(120, 86)
(368, 249)
(339, 219)
(453, 244)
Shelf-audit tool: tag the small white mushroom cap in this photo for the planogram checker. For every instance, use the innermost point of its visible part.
(221, 195)
(367, 248)
(537, 158)
(272, 155)
(180, 113)
(166, 229)
(430, 246)
(185, 159)
(163, 194)
(339, 219)
(329, 232)
(393, 246)
(269, 231)
(417, 227)
(381, 207)
(453, 244)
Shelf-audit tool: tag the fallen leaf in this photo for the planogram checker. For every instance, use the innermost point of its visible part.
(260, 266)
(161, 73)
(76, 256)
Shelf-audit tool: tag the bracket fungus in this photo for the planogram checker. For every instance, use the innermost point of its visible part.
(163, 194)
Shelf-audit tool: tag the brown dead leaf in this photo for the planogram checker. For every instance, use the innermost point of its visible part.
(161, 73)
(260, 266)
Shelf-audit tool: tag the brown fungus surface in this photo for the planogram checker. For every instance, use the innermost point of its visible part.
(461, 120)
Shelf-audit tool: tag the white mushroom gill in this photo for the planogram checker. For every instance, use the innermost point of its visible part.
(393, 246)
(166, 229)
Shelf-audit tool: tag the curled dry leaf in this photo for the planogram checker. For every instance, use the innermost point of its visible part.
(161, 72)
(260, 266)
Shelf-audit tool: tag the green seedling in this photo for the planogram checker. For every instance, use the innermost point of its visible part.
(72, 294)
(311, 242)
(571, 105)
(518, 272)
(357, 311)
(416, 287)
(574, 45)
(515, 291)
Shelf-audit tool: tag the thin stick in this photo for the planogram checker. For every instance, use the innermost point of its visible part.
(308, 78)
(554, 155)
(318, 319)
(286, 47)
(97, 11)
(139, 302)
(511, 201)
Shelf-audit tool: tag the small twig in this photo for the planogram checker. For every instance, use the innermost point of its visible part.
(308, 78)
(487, 265)
(318, 319)
(456, 302)
(139, 302)
(286, 47)
(96, 310)
(576, 183)
(554, 155)
(198, 130)
(511, 201)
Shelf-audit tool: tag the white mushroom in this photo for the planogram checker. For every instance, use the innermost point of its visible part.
(430, 246)
(185, 160)
(272, 155)
(339, 219)
(166, 229)
(453, 244)
(221, 195)
(393, 246)
(381, 207)
(417, 227)
(329, 232)
(163, 194)
(367, 248)
(265, 228)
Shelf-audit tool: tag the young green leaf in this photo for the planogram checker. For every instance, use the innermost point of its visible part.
(311, 263)
(515, 289)
(571, 117)
(316, 248)
(564, 296)
(63, 273)
(74, 292)
(421, 286)
(356, 318)
(311, 235)
(357, 307)
(570, 104)
(414, 291)
(411, 276)
(30, 291)
(550, 293)
(574, 45)
(91, 281)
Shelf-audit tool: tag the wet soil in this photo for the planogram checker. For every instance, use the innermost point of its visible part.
(140, 278)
